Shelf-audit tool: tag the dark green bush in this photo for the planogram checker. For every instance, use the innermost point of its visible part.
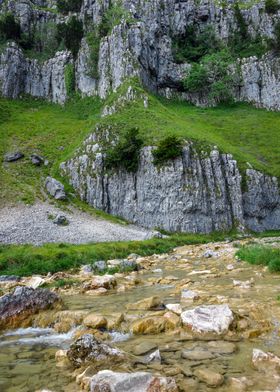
(193, 45)
(71, 33)
(9, 28)
(272, 6)
(126, 153)
(66, 6)
(211, 77)
(274, 43)
(168, 149)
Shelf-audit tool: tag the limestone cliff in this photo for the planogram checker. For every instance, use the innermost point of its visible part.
(140, 46)
(193, 193)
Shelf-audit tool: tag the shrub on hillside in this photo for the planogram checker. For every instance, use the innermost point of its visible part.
(272, 6)
(211, 77)
(66, 6)
(9, 28)
(193, 45)
(126, 153)
(274, 43)
(71, 33)
(168, 149)
(112, 17)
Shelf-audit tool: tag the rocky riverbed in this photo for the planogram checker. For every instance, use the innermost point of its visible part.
(196, 319)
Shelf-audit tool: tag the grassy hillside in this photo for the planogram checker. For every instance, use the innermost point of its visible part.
(251, 135)
(47, 129)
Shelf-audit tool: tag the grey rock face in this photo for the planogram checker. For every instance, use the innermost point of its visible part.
(55, 188)
(19, 75)
(193, 193)
(141, 48)
(16, 307)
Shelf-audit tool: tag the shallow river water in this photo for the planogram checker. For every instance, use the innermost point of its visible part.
(27, 356)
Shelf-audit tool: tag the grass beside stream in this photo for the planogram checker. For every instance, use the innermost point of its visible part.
(261, 255)
(25, 260)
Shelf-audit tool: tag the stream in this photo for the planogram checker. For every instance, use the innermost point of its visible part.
(27, 355)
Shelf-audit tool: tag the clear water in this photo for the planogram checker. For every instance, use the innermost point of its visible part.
(27, 356)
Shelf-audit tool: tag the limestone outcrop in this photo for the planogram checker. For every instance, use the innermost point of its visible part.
(193, 193)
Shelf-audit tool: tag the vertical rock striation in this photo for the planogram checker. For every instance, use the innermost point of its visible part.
(194, 193)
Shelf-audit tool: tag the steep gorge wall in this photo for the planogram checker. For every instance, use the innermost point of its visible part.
(193, 193)
(143, 48)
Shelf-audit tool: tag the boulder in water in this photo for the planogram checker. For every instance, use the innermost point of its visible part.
(208, 319)
(87, 349)
(16, 308)
(109, 381)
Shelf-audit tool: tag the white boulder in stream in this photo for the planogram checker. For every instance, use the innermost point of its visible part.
(208, 319)
(109, 381)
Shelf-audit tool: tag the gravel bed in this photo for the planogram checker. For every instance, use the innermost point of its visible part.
(33, 225)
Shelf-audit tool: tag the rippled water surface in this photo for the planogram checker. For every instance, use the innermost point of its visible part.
(27, 356)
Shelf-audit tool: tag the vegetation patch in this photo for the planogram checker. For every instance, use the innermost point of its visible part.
(69, 74)
(261, 255)
(71, 34)
(272, 6)
(211, 77)
(66, 6)
(125, 154)
(25, 260)
(168, 149)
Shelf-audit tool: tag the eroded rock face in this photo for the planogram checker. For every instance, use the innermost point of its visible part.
(88, 349)
(19, 75)
(208, 319)
(17, 308)
(141, 48)
(193, 193)
(109, 381)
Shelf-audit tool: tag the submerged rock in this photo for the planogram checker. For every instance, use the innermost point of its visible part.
(106, 282)
(150, 303)
(88, 349)
(265, 361)
(55, 188)
(209, 377)
(212, 318)
(17, 308)
(109, 381)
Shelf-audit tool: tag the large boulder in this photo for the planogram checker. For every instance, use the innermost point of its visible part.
(17, 308)
(109, 381)
(87, 349)
(55, 188)
(208, 319)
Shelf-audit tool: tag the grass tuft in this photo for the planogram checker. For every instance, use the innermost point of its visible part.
(261, 255)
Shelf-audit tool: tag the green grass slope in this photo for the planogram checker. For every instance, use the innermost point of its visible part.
(251, 135)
